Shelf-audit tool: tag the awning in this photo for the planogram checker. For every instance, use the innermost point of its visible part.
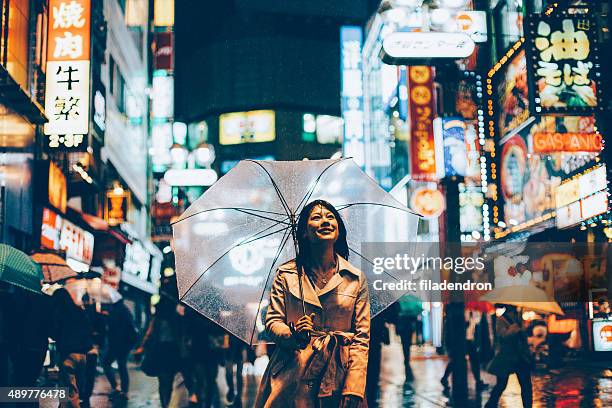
(15, 97)
(98, 225)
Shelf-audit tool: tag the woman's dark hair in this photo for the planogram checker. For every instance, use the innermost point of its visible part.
(340, 247)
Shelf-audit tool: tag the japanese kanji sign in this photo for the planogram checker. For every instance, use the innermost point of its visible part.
(421, 100)
(67, 96)
(564, 66)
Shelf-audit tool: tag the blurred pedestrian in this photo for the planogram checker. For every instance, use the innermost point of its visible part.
(71, 330)
(511, 356)
(30, 332)
(204, 354)
(98, 336)
(234, 358)
(122, 336)
(379, 336)
(409, 309)
(473, 319)
(160, 346)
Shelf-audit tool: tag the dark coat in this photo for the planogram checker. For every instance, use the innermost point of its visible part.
(511, 347)
(122, 334)
(71, 328)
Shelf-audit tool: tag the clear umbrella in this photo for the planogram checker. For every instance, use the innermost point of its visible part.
(229, 243)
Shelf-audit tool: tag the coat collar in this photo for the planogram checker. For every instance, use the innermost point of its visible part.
(311, 294)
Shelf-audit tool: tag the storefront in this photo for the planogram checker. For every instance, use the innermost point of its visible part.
(546, 158)
(140, 276)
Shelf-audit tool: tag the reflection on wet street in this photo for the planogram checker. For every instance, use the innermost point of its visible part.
(584, 385)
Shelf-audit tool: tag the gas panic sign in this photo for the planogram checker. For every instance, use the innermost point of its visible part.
(67, 84)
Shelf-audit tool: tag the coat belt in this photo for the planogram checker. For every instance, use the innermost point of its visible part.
(329, 364)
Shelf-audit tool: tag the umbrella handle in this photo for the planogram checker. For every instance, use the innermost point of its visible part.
(300, 269)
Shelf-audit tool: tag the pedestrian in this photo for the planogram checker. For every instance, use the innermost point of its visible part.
(28, 333)
(321, 356)
(473, 319)
(204, 354)
(71, 331)
(234, 358)
(122, 336)
(160, 346)
(511, 356)
(409, 308)
(379, 336)
(98, 336)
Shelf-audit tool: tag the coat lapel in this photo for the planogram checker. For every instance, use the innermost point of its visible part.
(310, 295)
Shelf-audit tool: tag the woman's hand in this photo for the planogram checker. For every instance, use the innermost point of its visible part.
(305, 324)
(350, 401)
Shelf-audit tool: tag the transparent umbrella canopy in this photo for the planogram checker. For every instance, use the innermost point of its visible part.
(229, 243)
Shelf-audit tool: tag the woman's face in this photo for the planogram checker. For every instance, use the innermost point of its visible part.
(322, 225)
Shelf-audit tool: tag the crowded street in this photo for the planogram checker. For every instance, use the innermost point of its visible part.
(584, 385)
(322, 203)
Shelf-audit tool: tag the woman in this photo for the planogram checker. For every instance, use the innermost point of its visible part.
(511, 356)
(321, 358)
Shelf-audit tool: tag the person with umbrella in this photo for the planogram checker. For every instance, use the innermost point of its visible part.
(511, 356)
(319, 317)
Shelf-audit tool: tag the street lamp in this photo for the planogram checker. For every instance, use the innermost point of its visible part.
(204, 154)
(179, 155)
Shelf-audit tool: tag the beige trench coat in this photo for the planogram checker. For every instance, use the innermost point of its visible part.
(335, 362)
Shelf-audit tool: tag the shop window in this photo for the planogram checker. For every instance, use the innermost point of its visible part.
(17, 44)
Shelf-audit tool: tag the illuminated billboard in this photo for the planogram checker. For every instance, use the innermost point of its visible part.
(247, 127)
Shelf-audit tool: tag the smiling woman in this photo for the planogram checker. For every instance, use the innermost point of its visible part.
(319, 317)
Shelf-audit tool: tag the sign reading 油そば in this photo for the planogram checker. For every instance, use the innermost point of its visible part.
(67, 94)
(564, 65)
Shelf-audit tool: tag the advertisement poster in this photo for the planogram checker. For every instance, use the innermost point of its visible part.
(527, 182)
(469, 96)
(422, 106)
(564, 64)
(512, 93)
(455, 151)
(530, 174)
(247, 127)
(471, 200)
(602, 335)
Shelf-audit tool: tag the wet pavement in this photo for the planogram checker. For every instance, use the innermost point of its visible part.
(575, 385)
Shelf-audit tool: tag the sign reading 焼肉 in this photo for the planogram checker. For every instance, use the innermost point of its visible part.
(564, 65)
(422, 147)
(67, 93)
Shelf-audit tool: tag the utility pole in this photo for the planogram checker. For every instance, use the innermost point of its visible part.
(448, 77)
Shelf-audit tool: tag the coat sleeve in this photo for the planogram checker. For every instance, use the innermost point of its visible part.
(358, 350)
(276, 316)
